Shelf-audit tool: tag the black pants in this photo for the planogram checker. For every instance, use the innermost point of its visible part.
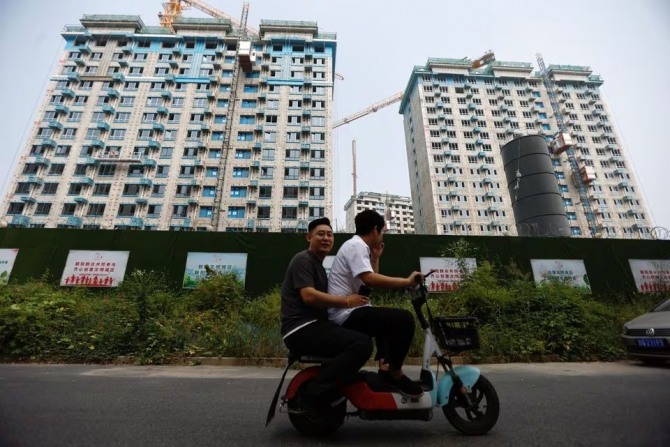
(348, 350)
(393, 330)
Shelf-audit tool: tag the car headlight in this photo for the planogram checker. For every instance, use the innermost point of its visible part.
(625, 327)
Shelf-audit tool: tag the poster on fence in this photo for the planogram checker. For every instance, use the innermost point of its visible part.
(7, 258)
(651, 275)
(201, 264)
(90, 268)
(447, 273)
(568, 271)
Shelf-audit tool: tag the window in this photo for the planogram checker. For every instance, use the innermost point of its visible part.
(238, 191)
(249, 104)
(43, 209)
(56, 169)
(241, 172)
(267, 172)
(117, 134)
(107, 170)
(127, 101)
(265, 192)
(96, 209)
(263, 212)
(49, 188)
(318, 137)
(291, 173)
(245, 136)
(69, 133)
(179, 211)
(316, 212)
(289, 212)
(236, 212)
(101, 189)
(69, 209)
(290, 192)
(177, 102)
(317, 173)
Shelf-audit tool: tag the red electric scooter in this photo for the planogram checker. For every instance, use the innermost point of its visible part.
(469, 401)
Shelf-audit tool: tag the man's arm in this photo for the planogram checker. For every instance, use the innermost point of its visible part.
(373, 279)
(314, 298)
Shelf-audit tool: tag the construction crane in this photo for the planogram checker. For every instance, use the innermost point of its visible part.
(566, 145)
(172, 10)
(373, 108)
(485, 59)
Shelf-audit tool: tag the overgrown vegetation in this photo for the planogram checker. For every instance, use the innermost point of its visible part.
(143, 319)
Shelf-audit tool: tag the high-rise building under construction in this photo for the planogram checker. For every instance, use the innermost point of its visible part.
(194, 126)
(458, 115)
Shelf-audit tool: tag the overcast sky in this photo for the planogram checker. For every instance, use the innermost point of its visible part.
(626, 42)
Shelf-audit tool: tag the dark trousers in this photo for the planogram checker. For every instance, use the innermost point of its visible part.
(348, 351)
(393, 330)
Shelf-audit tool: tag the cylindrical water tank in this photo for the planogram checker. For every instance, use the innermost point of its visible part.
(533, 188)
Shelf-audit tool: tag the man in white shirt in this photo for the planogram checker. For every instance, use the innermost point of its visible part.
(357, 264)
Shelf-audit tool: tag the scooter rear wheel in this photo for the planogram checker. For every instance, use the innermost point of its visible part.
(331, 417)
(479, 419)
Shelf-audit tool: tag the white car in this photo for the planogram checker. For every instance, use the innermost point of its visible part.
(647, 337)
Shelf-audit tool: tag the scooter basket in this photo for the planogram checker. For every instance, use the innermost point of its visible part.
(456, 333)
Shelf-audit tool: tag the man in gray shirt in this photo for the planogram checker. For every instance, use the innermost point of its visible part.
(305, 327)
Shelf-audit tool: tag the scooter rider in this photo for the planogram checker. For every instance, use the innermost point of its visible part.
(356, 264)
(305, 327)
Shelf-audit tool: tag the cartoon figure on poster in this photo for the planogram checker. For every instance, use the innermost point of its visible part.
(89, 268)
(7, 258)
(200, 264)
(651, 275)
(448, 273)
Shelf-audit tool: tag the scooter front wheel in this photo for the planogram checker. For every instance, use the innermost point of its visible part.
(331, 416)
(478, 418)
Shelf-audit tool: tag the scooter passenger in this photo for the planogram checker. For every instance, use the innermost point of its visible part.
(305, 327)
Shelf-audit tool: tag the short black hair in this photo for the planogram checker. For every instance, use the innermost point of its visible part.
(367, 220)
(316, 222)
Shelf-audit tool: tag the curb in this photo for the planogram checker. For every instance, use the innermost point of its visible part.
(259, 362)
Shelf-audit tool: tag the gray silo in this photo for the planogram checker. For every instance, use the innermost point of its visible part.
(533, 188)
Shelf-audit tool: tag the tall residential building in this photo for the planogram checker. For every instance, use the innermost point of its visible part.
(397, 211)
(456, 120)
(195, 127)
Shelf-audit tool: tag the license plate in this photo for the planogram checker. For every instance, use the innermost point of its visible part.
(651, 342)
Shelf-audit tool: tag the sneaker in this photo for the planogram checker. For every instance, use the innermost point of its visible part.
(404, 385)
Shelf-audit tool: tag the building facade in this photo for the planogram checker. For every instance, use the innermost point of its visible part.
(456, 120)
(195, 127)
(397, 211)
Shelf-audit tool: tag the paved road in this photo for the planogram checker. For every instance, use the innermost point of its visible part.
(556, 404)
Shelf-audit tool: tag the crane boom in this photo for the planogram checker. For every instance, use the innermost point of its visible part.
(172, 10)
(373, 108)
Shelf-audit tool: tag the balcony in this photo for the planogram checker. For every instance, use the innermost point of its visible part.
(305, 146)
(119, 77)
(73, 221)
(303, 184)
(98, 143)
(251, 202)
(84, 180)
(149, 162)
(56, 125)
(166, 94)
(90, 161)
(35, 180)
(192, 201)
(162, 110)
(80, 199)
(141, 201)
(154, 144)
(158, 127)
(28, 199)
(102, 126)
(137, 222)
(144, 181)
(127, 49)
(60, 108)
(40, 160)
(113, 93)
(74, 77)
(109, 110)
(253, 183)
(255, 164)
(20, 221)
(303, 203)
(304, 165)
(306, 129)
(170, 78)
(306, 112)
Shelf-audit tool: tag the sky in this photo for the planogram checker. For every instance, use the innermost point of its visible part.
(626, 42)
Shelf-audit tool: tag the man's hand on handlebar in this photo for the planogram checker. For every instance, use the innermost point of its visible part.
(414, 278)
